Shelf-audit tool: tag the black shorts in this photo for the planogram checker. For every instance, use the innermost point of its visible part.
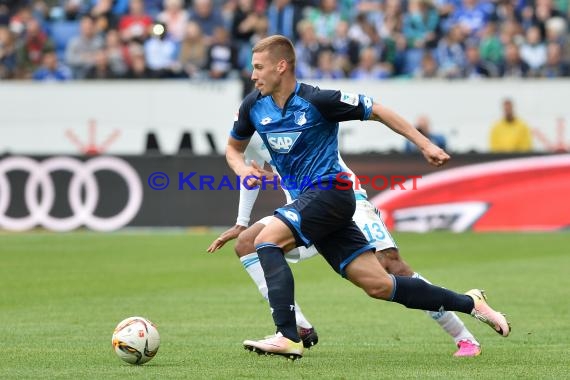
(323, 217)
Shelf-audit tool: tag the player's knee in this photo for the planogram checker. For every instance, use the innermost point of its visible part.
(392, 261)
(400, 268)
(259, 239)
(269, 237)
(244, 245)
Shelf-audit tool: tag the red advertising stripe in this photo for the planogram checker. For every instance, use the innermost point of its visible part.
(516, 194)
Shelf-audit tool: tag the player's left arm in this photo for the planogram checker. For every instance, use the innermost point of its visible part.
(433, 154)
(340, 106)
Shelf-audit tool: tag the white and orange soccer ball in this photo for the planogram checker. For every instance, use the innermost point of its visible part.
(136, 340)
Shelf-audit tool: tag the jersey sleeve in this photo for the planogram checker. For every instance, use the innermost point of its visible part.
(243, 128)
(342, 106)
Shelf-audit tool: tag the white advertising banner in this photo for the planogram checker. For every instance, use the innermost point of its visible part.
(115, 117)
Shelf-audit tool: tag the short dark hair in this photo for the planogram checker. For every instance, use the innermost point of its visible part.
(279, 47)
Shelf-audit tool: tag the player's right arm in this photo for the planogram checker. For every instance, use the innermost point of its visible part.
(236, 160)
(239, 138)
(235, 156)
(247, 198)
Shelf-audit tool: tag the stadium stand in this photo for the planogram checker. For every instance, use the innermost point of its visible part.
(61, 32)
(377, 39)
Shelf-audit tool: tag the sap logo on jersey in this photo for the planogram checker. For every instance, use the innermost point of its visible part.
(282, 142)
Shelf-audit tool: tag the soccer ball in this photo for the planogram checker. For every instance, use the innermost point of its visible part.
(136, 340)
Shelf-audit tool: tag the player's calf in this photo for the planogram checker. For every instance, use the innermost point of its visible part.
(366, 272)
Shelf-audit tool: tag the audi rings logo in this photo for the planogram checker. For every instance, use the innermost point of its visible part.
(83, 181)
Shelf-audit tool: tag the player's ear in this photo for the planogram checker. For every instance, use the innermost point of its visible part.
(282, 66)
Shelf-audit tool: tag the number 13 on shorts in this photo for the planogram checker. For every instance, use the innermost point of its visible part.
(368, 220)
(373, 232)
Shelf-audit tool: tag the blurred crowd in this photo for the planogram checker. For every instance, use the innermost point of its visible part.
(370, 39)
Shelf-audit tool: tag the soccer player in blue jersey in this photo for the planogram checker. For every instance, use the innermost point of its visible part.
(299, 124)
(368, 220)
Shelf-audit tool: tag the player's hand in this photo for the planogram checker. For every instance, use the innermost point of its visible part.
(263, 174)
(226, 236)
(252, 174)
(435, 155)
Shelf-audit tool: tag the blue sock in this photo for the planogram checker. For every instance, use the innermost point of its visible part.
(281, 289)
(414, 293)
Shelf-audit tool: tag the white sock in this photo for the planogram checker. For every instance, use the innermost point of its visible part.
(253, 267)
(300, 317)
(449, 321)
(251, 264)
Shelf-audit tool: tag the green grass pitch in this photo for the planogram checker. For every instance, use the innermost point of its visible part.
(61, 295)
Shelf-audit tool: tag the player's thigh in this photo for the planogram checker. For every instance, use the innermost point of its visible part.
(317, 213)
(368, 219)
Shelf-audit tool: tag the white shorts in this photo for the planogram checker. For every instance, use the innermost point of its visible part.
(366, 217)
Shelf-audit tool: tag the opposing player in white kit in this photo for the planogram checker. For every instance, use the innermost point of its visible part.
(368, 220)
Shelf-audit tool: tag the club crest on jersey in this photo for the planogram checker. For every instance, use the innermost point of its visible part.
(282, 142)
(349, 98)
(300, 118)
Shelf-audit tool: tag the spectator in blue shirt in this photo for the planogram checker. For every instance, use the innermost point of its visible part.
(51, 69)
(472, 16)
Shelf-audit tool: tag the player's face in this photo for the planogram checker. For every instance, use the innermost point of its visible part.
(265, 73)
